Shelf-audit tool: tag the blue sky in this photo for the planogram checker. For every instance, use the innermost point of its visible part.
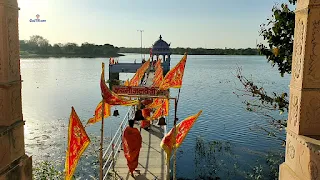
(202, 23)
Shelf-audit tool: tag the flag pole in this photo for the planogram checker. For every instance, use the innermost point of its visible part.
(101, 141)
(175, 135)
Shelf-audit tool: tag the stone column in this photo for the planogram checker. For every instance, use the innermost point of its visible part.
(14, 163)
(302, 160)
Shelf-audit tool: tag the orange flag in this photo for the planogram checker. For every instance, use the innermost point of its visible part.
(158, 64)
(126, 83)
(163, 110)
(173, 78)
(111, 97)
(135, 81)
(156, 103)
(182, 129)
(78, 141)
(158, 78)
(97, 113)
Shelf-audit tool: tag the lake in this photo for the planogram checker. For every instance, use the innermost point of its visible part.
(51, 86)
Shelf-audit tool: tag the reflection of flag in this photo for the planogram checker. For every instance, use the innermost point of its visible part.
(135, 81)
(167, 143)
(162, 110)
(173, 78)
(78, 141)
(111, 97)
(97, 113)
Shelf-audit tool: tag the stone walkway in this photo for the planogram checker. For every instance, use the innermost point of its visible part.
(152, 163)
(151, 160)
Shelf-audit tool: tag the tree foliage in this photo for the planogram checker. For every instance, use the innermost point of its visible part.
(197, 51)
(278, 32)
(39, 45)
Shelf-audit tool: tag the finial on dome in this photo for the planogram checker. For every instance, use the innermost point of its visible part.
(160, 37)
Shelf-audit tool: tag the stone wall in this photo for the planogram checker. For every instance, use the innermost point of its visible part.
(14, 164)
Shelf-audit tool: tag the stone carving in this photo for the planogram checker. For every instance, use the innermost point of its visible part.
(15, 103)
(312, 167)
(313, 170)
(313, 111)
(294, 109)
(13, 45)
(290, 150)
(314, 62)
(16, 137)
(299, 49)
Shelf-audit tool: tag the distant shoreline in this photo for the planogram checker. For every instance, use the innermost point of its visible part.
(203, 54)
(26, 56)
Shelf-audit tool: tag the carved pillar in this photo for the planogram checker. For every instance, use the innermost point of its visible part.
(14, 164)
(303, 131)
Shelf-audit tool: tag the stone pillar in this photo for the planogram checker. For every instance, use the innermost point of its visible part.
(302, 160)
(14, 163)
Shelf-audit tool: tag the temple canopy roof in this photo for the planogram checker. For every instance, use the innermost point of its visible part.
(161, 47)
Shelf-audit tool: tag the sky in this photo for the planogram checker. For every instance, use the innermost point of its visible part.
(183, 23)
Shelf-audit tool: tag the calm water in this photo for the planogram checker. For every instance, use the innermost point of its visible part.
(52, 86)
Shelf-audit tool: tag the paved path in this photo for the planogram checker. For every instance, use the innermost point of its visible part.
(151, 159)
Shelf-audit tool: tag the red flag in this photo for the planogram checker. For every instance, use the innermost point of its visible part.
(78, 141)
(111, 97)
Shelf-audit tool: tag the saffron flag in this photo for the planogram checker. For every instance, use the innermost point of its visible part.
(163, 110)
(112, 98)
(97, 113)
(158, 64)
(173, 78)
(78, 141)
(126, 83)
(158, 71)
(156, 103)
(182, 129)
(158, 78)
(135, 81)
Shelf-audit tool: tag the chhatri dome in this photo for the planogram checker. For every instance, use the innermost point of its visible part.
(161, 47)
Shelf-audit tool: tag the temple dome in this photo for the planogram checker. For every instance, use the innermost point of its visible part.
(161, 47)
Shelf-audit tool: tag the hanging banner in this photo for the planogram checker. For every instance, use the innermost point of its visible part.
(139, 90)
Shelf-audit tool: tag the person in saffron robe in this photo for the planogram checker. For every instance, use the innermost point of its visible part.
(132, 142)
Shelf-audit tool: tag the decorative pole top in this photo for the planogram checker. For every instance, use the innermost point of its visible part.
(160, 37)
